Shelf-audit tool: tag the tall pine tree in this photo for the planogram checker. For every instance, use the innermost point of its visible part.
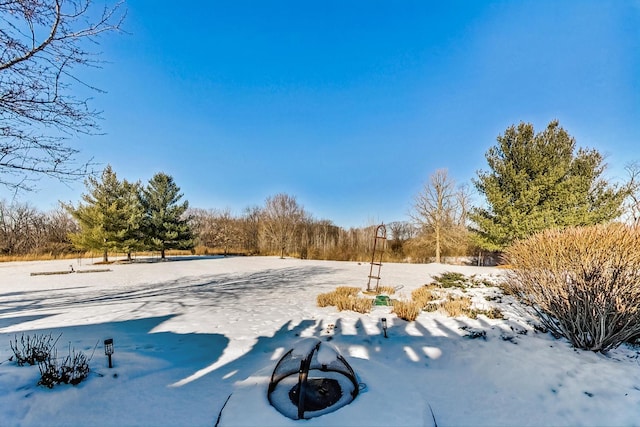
(109, 219)
(539, 181)
(165, 226)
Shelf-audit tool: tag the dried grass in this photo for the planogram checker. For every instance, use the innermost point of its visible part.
(424, 295)
(345, 298)
(325, 300)
(386, 290)
(348, 291)
(407, 310)
(456, 306)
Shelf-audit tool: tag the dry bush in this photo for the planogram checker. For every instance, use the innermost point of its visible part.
(348, 291)
(582, 282)
(362, 305)
(73, 369)
(386, 290)
(492, 313)
(345, 298)
(459, 306)
(359, 305)
(325, 300)
(431, 307)
(340, 293)
(424, 295)
(32, 349)
(407, 310)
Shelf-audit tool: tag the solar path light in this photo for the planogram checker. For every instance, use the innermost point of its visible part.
(384, 326)
(108, 349)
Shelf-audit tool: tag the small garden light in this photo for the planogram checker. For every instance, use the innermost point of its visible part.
(384, 326)
(108, 349)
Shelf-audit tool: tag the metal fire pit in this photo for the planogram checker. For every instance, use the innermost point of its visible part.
(310, 380)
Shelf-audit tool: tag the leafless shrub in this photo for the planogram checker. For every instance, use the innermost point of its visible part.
(582, 282)
(73, 369)
(32, 349)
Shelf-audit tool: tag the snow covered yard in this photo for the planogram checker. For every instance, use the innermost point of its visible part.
(192, 331)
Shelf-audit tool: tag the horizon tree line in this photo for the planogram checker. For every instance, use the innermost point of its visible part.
(535, 181)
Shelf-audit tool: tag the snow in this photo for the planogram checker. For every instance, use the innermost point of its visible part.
(303, 347)
(327, 353)
(190, 332)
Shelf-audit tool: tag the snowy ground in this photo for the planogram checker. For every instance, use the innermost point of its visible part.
(192, 331)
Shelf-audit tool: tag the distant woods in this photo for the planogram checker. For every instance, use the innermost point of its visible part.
(535, 182)
(124, 218)
(25, 231)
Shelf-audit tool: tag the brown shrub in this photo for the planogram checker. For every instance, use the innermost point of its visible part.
(362, 305)
(407, 310)
(582, 282)
(424, 295)
(345, 298)
(349, 291)
(431, 307)
(493, 313)
(459, 306)
(359, 305)
(325, 300)
(386, 290)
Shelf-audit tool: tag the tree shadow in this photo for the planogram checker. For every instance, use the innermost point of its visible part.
(10, 321)
(214, 291)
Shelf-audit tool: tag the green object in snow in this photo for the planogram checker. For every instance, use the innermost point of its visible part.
(382, 300)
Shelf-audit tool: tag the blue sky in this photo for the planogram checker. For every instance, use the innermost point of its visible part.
(351, 105)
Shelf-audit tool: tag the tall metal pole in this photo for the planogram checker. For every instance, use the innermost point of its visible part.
(381, 234)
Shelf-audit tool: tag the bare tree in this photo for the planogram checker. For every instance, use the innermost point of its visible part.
(441, 211)
(42, 43)
(202, 224)
(631, 207)
(226, 234)
(400, 232)
(250, 229)
(281, 218)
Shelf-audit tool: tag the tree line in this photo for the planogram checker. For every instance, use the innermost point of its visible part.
(535, 181)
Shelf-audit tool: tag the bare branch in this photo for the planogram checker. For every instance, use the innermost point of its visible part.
(41, 44)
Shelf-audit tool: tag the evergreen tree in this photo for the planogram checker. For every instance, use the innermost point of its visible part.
(164, 224)
(109, 218)
(132, 211)
(539, 181)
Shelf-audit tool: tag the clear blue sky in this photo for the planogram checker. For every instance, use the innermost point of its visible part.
(351, 105)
